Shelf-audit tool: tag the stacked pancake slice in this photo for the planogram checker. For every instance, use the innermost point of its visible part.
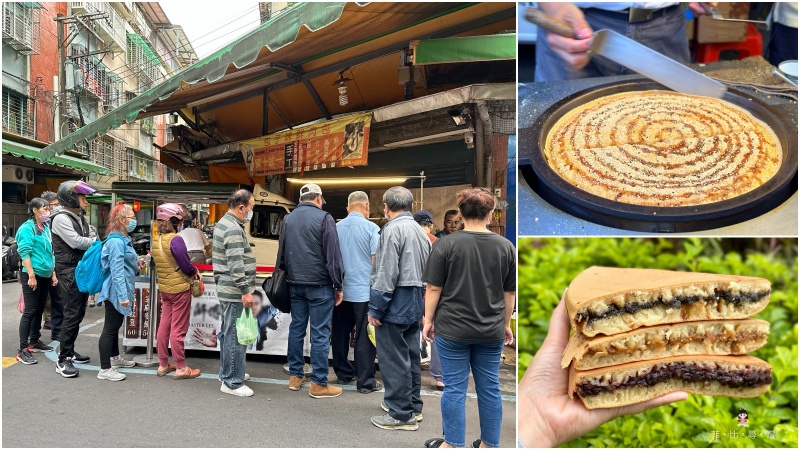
(641, 333)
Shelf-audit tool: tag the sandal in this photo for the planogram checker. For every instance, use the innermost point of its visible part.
(434, 443)
(189, 373)
(165, 370)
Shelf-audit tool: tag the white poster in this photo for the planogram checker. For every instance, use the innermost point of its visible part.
(205, 319)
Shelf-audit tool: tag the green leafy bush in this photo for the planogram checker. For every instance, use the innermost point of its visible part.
(546, 267)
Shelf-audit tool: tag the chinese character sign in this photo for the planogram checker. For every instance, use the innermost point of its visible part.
(336, 143)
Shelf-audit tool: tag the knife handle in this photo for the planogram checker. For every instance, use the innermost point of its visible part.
(549, 23)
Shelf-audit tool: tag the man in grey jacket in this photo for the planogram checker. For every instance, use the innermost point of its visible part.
(395, 309)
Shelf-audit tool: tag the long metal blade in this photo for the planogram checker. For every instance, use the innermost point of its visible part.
(654, 65)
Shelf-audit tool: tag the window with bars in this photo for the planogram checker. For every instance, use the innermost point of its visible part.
(97, 79)
(17, 117)
(21, 29)
(142, 59)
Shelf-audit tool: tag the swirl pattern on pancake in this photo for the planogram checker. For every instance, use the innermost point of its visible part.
(660, 148)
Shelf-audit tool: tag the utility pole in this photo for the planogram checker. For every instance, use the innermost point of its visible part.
(62, 82)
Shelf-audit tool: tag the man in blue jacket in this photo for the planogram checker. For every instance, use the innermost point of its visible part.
(395, 309)
(315, 271)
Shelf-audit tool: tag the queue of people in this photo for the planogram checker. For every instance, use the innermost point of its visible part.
(342, 278)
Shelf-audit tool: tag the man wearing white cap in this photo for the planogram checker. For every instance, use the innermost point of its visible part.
(315, 272)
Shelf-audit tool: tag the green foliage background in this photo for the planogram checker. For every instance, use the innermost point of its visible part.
(546, 267)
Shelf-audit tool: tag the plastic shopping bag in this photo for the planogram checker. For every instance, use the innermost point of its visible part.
(246, 327)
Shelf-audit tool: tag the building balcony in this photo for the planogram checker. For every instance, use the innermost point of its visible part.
(21, 26)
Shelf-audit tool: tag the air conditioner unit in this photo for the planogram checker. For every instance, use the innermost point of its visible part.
(17, 174)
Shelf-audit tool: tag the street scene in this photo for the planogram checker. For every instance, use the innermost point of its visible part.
(296, 214)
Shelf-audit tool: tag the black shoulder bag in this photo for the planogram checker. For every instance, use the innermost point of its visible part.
(277, 286)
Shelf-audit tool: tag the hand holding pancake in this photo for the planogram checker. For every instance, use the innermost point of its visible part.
(547, 415)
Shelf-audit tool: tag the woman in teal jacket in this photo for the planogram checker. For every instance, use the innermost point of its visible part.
(36, 252)
(119, 259)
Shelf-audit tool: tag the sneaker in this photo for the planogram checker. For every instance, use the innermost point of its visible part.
(66, 369)
(241, 391)
(319, 391)
(365, 390)
(121, 363)
(91, 302)
(388, 422)
(39, 347)
(48, 325)
(77, 358)
(296, 382)
(25, 357)
(110, 374)
(417, 414)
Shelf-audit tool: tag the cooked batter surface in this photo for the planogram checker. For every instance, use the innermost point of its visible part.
(661, 148)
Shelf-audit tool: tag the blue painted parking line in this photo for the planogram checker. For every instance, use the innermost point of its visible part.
(53, 356)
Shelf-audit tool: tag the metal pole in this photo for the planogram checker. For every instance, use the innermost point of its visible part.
(422, 190)
(147, 359)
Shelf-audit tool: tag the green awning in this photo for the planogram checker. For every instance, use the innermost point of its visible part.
(274, 34)
(33, 153)
(466, 49)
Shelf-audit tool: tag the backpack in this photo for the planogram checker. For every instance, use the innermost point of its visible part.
(89, 276)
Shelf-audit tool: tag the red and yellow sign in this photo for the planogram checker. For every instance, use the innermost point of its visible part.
(336, 143)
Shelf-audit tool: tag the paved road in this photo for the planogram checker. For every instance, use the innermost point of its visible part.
(42, 409)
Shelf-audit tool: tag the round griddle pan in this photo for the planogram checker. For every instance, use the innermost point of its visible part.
(561, 194)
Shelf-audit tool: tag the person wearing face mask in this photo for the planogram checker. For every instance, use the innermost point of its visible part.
(235, 276)
(53, 310)
(175, 271)
(72, 236)
(315, 272)
(36, 252)
(119, 259)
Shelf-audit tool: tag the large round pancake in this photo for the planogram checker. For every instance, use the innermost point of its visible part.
(661, 148)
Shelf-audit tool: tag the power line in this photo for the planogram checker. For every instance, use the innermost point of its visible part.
(128, 71)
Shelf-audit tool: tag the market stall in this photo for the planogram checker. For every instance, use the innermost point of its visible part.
(205, 319)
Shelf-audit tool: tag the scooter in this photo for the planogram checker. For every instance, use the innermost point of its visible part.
(10, 264)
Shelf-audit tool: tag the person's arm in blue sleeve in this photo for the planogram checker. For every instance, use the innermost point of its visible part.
(333, 254)
(115, 249)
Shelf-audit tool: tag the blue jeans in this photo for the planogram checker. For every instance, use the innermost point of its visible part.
(665, 34)
(232, 354)
(457, 358)
(314, 303)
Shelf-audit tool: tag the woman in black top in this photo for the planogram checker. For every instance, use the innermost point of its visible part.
(471, 284)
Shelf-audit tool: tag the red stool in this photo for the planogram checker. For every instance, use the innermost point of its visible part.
(751, 46)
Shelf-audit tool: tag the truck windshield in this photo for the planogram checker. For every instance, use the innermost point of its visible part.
(266, 221)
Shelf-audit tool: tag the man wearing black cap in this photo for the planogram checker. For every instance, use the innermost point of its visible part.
(425, 220)
(315, 272)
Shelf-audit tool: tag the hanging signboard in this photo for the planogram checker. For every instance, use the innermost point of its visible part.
(335, 143)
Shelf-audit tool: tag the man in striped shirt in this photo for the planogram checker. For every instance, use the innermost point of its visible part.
(235, 276)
